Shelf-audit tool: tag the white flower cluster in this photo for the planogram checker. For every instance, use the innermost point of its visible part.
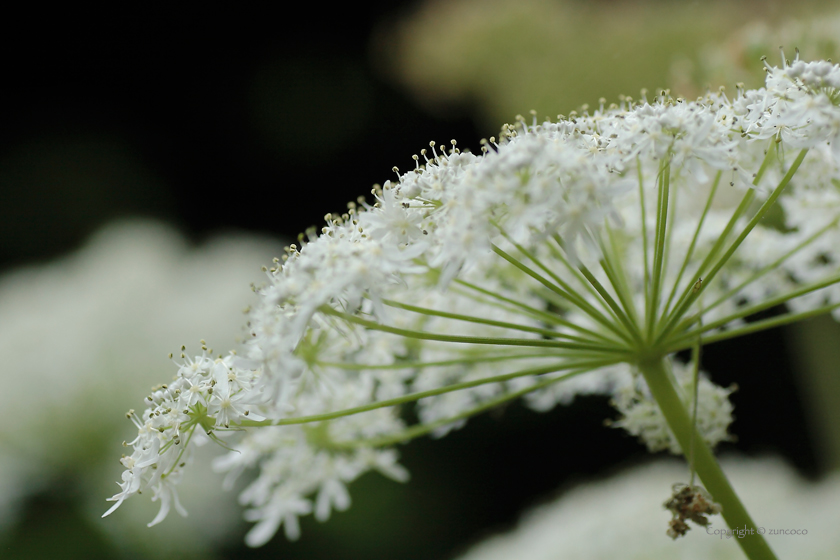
(206, 393)
(212, 394)
(643, 418)
(543, 267)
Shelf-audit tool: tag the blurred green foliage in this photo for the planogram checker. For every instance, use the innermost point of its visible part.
(501, 58)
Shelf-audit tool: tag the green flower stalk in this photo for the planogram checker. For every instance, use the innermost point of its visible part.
(569, 257)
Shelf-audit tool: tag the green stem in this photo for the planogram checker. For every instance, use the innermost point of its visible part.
(695, 393)
(745, 312)
(684, 343)
(705, 464)
(690, 252)
(555, 249)
(746, 201)
(180, 453)
(561, 287)
(547, 333)
(644, 223)
(618, 312)
(583, 365)
(423, 429)
(516, 306)
(664, 181)
(464, 360)
(569, 297)
(693, 294)
(422, 335)
(770, 267)
(614, 268)
(713, 253)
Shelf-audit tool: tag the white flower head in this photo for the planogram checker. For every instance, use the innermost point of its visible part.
(564, 257)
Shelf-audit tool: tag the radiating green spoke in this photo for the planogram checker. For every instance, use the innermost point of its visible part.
(482, 321)
(571, 298)
(570, 365)
(693, 294)
(423, 429)
(690, 251)
(500, 341)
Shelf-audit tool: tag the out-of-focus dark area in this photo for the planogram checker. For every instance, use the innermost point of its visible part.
(206, 120)
(251, 122)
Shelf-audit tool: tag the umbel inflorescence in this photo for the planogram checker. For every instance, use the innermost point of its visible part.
(569, 257)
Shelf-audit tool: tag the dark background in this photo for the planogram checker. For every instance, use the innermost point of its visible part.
(245, 121)
(211, 121)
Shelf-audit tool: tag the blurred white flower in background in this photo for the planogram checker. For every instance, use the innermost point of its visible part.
(83, 335)
(622, 517)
